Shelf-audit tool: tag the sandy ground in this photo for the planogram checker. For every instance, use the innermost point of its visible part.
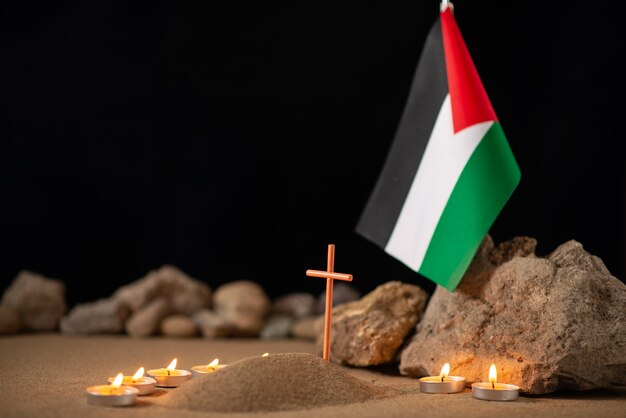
(46, 376)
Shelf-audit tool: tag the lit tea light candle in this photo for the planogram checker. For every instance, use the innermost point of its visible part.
(112, 395)
(170, 377)
(144, 384)
(265, 355)
(494, 391)
(442, 383)
(207, 368)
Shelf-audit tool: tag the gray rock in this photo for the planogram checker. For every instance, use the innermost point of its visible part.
(342, 293)
(277, 326)
(146, 321)
(242, 304)
(185, 295)
(547, 323)
(104, 316)
(305, 328)
(297, 305)
(370, 331)
(180, 326)
(212, 325)
(39, 301)
(10, 322)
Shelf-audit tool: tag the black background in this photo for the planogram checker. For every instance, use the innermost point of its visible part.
(237, 141)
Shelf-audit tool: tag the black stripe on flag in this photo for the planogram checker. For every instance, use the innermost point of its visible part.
(428, 91)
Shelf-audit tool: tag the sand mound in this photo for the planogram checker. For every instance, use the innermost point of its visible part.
(276, 383)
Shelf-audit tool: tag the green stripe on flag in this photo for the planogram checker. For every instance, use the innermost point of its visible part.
(486, 183)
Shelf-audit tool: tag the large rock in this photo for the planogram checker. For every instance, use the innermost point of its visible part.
(547, 323)
(277, 326)
(342, 293)
(10, 322)
(212, 325)
(104, 316)
(297, 305)
(370, 331)
(39, 301)
(307, 328)
(242, 304)
(179, 326)
(146, 321)
(184, 294)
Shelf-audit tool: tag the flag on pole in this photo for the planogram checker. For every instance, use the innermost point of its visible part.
(450, 169)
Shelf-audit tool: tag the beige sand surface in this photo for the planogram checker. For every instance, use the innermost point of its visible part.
(46, 375)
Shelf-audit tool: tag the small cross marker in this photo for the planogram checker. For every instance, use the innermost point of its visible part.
(329, 275)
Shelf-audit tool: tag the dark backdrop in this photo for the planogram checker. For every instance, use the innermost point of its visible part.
(237, 141)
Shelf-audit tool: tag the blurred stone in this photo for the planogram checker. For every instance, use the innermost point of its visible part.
(550, 323)
(104, 316)
(184, 294)
(305, 327)
(342, 293)
(10, 322)
(145, 321)
(242, 304)
(39, 301)
(180, 326)
(297, 305)
(277, 326)
(370, 331)
(212, 325)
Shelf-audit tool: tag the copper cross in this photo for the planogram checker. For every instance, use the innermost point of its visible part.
(329, 275)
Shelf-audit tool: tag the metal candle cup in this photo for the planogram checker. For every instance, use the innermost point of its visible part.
(495, 391)
(450, 384)
(145, 385)
(169, 378)
(106, 395)
(207, 368)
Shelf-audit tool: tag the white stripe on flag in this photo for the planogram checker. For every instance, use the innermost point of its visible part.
(442, 164)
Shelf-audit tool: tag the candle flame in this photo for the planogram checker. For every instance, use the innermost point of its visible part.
(214, 364)
(493, 374)
(138, 373)
(117, 382)
(445, 370)
(172, 365)
(265, 355)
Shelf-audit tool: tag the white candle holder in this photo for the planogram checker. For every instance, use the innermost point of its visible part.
(495, 391)
(435, 384)
(172, 379)
(144, 384)
(105, 395)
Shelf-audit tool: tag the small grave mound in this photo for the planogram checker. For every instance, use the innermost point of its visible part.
(278, 382)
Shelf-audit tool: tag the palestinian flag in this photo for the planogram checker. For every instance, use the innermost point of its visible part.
(449, 171)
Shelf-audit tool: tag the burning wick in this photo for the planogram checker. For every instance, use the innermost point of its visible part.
(116, 383)
(493, 376)
(138, 374)
(265, 355)
(214, 364)
(171, 367)
(445, 371)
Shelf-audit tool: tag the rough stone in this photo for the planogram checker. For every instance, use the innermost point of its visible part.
(548, 323)
(297, 305)
(305, 327)
(10, 322)
(369, 331)
(212, 325)
(185, 294)
(342, 293)
(39, 301)
(146, 321)
(180, 326)
(104, 316)
(242, 304)
(277, 326)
